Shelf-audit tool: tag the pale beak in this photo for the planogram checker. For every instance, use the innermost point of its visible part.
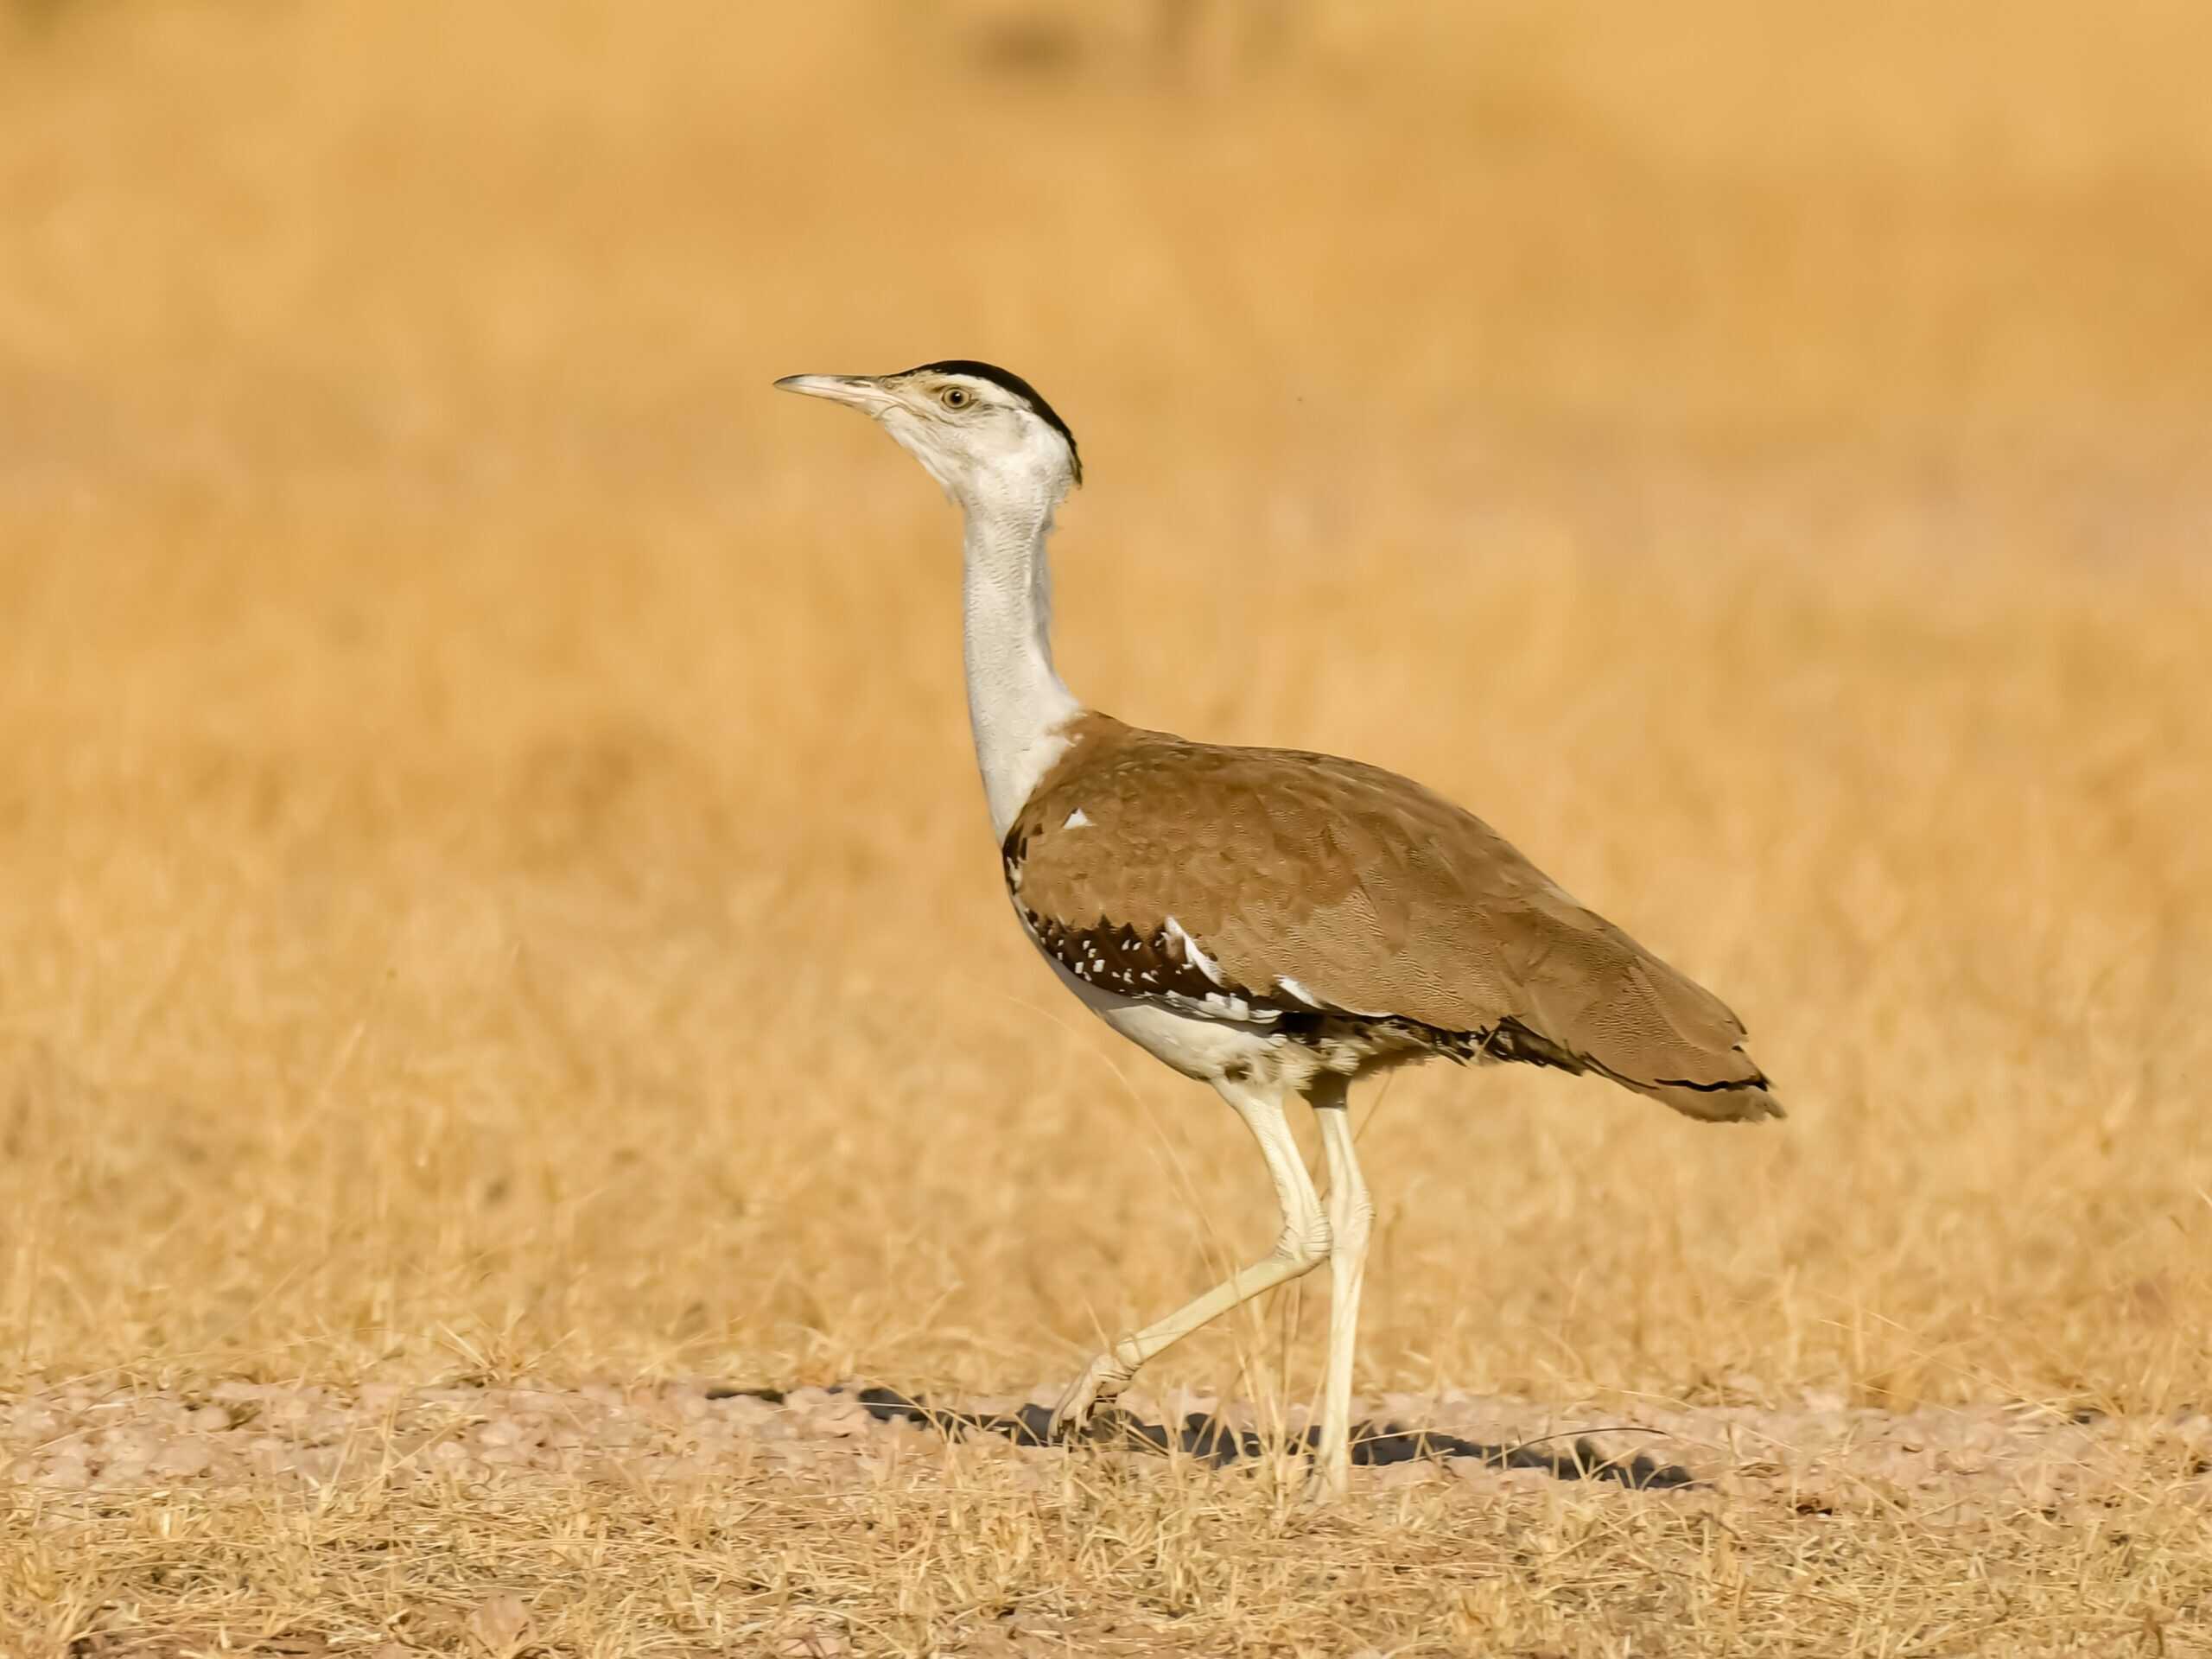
(861, 390)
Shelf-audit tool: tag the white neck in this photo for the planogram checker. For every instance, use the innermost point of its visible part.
(1016, 703)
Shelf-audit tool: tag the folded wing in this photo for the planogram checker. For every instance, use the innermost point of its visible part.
(1278, 882)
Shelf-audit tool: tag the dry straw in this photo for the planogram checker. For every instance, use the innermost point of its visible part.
(494, 886)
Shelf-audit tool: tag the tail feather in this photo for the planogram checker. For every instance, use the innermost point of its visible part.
(1717, 1102)
(1600, 998)
(1746, 1097)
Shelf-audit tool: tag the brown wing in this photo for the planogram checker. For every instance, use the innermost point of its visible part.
(1286, 880)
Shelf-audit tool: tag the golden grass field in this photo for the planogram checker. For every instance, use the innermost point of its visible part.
(495, 887)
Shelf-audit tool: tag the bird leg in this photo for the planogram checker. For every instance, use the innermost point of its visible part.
(1299, 1248)
(1350, 1213)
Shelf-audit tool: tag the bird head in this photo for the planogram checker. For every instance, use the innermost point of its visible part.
(983, 433)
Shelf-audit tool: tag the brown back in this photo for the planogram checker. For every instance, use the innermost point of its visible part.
(1368, 894)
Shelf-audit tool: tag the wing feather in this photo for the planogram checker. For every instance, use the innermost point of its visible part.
(1374, 896)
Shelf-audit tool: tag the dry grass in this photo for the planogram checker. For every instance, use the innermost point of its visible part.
(494, 883)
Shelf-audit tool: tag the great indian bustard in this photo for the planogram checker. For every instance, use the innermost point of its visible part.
(1269, 921)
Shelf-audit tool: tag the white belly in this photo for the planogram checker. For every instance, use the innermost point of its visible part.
(1207, 1049)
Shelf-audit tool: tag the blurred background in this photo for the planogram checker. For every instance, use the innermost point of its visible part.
(492, 873)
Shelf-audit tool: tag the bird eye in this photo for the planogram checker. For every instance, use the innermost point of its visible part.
(955, 397)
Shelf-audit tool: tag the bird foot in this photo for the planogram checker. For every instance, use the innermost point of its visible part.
(1086, 1407)
(1327, 1484)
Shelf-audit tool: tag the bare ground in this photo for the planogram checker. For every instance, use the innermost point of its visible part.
(466, 1516)
(1813, 1457)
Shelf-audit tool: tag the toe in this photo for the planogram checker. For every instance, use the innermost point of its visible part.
(1327, 1485)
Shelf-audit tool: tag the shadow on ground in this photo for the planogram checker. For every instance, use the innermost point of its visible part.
(1208, 1438)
